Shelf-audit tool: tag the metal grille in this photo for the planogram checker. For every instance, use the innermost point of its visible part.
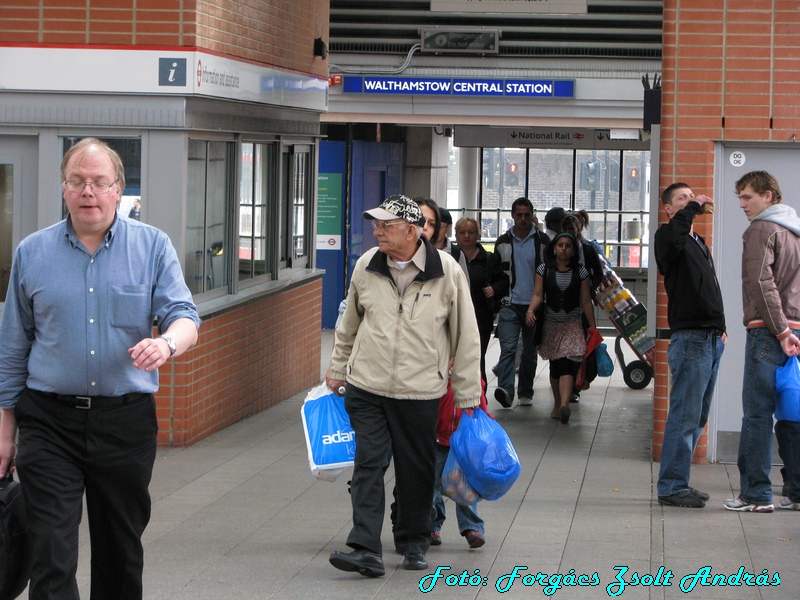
(611, 29)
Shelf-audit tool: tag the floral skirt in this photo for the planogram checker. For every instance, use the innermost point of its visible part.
(563, 340)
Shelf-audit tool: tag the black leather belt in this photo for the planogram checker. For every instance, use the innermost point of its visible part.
(664, 334)
(89, 402)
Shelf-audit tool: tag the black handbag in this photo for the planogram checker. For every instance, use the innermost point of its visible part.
(15, 555)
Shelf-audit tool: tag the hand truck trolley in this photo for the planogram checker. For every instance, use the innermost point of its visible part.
(629, 317)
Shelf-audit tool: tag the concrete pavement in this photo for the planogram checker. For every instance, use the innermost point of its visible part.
(239, 516)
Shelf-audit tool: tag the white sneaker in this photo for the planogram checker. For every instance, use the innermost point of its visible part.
(787, 504)
(740, 505)
(525, 401)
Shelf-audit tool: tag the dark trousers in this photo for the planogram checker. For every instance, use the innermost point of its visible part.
(106, 453)
(486, 337)
(410, 427)
(788, 434)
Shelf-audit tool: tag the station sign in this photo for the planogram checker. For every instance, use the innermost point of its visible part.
(448, 86)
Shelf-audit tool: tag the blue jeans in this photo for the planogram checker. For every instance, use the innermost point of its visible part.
(467, 516)
(693, 356)
(510, 322)
(762, 357)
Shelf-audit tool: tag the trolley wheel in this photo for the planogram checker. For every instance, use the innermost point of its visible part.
(637, 375)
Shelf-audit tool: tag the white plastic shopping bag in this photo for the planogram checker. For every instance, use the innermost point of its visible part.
(330, 439)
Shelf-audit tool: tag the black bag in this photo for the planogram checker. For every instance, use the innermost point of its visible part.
(15, 555)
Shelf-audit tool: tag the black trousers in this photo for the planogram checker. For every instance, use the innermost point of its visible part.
(788, 434)
(410, 427)
(106, 453)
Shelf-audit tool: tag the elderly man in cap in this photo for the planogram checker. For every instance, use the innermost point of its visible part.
(408, 313)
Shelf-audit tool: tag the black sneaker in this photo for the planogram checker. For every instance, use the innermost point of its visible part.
(684, 499)
(502, 397)
(702, 495)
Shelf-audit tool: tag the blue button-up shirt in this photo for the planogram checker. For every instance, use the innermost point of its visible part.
(70, 317)
(524, 266)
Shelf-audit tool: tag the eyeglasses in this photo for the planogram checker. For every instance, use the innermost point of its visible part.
(384, 225)
(98, 188)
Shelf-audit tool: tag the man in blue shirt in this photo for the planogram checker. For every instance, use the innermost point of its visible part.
(78, 369)
(520, 250)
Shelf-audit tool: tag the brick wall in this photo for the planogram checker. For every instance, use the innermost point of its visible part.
(279, 33)
(247, 359)
(730, 72)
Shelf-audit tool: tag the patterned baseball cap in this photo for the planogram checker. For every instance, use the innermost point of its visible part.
(397, 207)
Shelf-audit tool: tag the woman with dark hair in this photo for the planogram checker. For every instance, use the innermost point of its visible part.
(488, 283)
(563, 285)
(433, 220)
(588, 255)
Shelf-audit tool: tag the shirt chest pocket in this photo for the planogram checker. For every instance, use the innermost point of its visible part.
(129, 306)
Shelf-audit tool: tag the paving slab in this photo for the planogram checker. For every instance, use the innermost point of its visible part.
(239, 516)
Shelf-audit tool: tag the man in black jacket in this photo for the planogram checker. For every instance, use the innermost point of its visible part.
(697, 338)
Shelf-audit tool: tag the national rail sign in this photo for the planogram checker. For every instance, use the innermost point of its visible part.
(478, 136)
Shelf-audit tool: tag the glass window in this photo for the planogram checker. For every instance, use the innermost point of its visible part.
(550, 180)
(611, 185)
(256, 189)
(295, 207)
(504, 172)
(210, 175)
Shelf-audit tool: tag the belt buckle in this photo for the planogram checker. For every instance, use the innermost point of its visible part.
(88, 400)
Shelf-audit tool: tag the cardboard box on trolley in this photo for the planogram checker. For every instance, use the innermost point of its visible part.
(629, 317)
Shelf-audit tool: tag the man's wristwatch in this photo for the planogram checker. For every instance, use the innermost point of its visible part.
(170, 342)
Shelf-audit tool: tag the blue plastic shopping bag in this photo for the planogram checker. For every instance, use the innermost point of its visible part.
(787, 391)
(486, 455)
(605, 366)
(330, 439)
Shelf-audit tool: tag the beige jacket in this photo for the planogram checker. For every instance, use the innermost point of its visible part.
(400, 347)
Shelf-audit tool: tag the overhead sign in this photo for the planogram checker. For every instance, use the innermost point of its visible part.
(461, 42)
(446, 86)
(481, 136)
(564, 7)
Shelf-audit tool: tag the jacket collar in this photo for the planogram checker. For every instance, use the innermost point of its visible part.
(433, 263)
